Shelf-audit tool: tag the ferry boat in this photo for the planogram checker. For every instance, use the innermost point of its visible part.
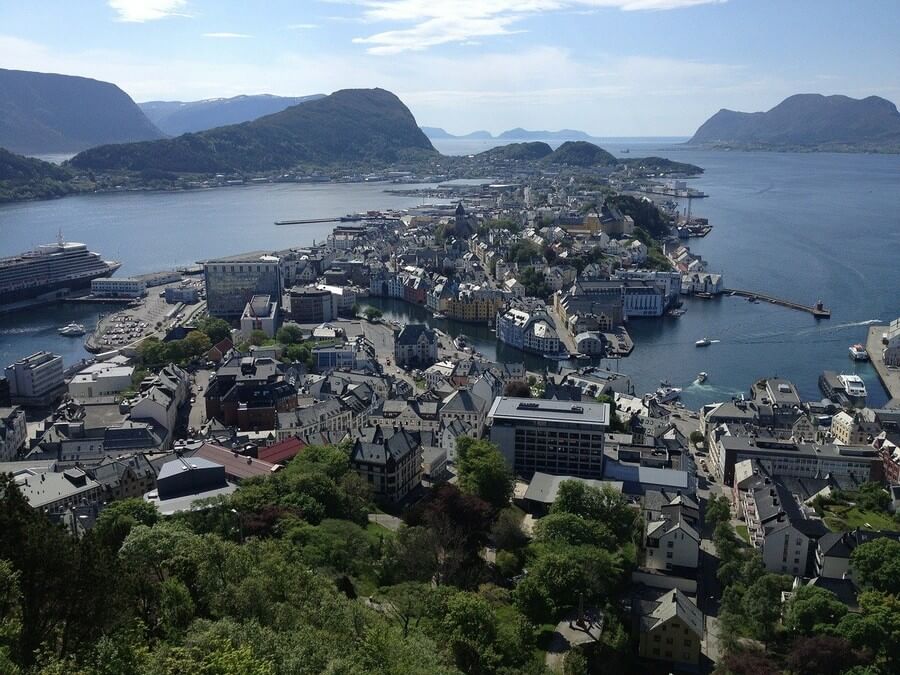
(858, 353)
(72, 330)
(702, 377)
(51, 270)
(854, 388)
(703, 342)
(665, 394)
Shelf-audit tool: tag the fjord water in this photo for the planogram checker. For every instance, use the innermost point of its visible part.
(799, 226)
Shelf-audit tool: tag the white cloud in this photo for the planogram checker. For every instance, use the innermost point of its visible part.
(437, 22)
(139, 11)
(302, 26)
(227, 36)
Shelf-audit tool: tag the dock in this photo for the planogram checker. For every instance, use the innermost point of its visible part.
(890, 378)
(818, 310)
(310, 221)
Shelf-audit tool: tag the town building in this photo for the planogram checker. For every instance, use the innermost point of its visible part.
(308, 304)
(528, 328)
(249, 393)
(891, 354)
(231, 282)
(13, 432)
(833, 550)
(106, 378)
(118, 287)
(389, 460)
(555, 437)
(36, 380)
(184, 481)
(671, 543)
(53, 492)
(416, 344)
(670, 628)
(853, 429)
(261, 313)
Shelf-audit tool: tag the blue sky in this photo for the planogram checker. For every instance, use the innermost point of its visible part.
(609, 67)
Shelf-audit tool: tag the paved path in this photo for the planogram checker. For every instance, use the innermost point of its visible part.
(390, 522)
(890, 377)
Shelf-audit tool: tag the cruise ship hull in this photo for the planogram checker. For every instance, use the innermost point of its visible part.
(10, 300)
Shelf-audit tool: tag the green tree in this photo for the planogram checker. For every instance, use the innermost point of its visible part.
(289, 334)
(601, 504)
(372, 313)
(258, 337)
(216, 329)
(811, 609)
(876, 565)
(197, 343)
(761, 605)
(405, 602)
(470, 626)
(483, 471)
(718, 510)
(120, 517)
(507, 530)
(573, 530)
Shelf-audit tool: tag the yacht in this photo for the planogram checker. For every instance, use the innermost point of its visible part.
(703, 342)
(858, 353)
(72, 330)
(666, 394)
(854, 388)
(702, 377)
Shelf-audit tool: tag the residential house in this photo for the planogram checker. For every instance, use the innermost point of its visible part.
(389, 460)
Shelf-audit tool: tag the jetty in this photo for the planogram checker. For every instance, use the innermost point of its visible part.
(890, 378)
(818, 310)
(309, 221)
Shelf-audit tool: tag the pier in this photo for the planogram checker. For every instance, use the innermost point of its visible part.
(890, 378)
(310, 221)
(818, 310)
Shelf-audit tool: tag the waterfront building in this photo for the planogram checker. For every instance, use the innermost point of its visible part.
(416, 344)
(344, 297)
(891, 353)
(119, 288)
(474, 303)
(702, 282)
(853, 429)
(261, 313)
(13, 432)
(36, 380)
(308, 304)
(232, 282)
(602, 298)
(528, 327)
(590, 343)
(556, 437)
(644, 298)
(186, 293)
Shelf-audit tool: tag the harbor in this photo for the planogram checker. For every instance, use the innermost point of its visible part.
(889, 376)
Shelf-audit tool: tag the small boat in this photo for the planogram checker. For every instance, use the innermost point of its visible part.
(561, 356)
(583, 357)
(72, 330)
(702, 377)
(704, 295)
(666, 394)
(439, 315)
(859, 353)
(703, 342)
(676, 312)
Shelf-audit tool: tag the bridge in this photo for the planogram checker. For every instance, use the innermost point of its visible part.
(818, 310)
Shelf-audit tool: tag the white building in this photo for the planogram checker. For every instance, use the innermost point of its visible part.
(671, 543)
(528, 330)
(119, 288)
(260, 314)
(892, 344)
(36, 380)
(101, 379)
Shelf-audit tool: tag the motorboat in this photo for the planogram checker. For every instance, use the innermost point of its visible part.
(560, 356)
(702, 377)
(72, 330)
(666, 394)
(677, 311)
(854, 388)
(858, 353)
(703, 342)
(439, 315)
(583, 357)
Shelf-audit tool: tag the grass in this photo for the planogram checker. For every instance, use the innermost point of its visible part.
(839, 518)
(743, 533)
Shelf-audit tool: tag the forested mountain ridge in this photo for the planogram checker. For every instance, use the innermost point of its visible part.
(352, 125)
(45, 113)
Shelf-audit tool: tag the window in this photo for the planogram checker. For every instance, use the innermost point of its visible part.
(669, 554)
(671, 544)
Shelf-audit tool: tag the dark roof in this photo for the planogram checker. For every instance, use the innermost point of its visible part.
(282, 451)
(410, 333)
(384, 445)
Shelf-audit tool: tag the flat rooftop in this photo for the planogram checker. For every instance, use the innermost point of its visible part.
(558, 412)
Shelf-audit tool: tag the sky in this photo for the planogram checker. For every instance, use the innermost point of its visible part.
(608, 67)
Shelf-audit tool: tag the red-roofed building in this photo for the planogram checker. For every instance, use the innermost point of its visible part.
(219, 350)
(281, 452)
(237, 466)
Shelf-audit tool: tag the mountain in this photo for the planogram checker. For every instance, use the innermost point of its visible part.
(518, 152)
(519, 134)
(437, 133)
(28, 178)
(179, 117)
(809, 121)
(581, 153)
(370, 126)
(48, 113)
